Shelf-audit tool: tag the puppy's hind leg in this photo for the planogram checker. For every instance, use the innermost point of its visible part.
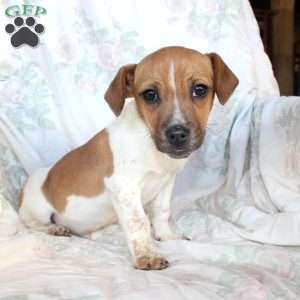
(35, 211)
(49, 227)
(59, 230)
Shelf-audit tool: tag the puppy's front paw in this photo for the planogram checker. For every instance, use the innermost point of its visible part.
(148, 262)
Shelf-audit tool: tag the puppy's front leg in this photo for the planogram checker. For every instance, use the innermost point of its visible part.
(161, 212)
(136, 225)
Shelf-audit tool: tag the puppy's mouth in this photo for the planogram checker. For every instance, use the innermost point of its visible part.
(181, 152)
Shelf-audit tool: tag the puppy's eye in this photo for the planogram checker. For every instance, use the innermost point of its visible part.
(199, 90)
(150, 96)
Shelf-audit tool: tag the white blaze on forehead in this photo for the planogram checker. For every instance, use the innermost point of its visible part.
(177, 113)
(172, 77)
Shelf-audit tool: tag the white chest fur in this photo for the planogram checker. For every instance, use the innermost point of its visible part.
(133, 147)
(152, 185)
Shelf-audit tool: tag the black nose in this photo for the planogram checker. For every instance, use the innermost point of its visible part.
(177, 135)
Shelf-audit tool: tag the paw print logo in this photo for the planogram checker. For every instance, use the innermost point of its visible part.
(24, 33)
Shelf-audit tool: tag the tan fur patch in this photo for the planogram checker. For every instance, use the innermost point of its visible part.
(80, 172)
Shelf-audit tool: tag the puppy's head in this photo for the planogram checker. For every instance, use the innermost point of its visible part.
(174, 89)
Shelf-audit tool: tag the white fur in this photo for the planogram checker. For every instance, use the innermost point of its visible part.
(35, 210)
(84, 215)
(177, 117)
(141, 174)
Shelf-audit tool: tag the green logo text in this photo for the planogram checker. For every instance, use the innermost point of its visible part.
(25, 10)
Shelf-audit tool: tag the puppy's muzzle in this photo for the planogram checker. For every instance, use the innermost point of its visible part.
(177, 141)
(178, 136)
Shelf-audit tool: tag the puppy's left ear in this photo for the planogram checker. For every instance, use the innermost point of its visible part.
(120, 88)
(225, 81)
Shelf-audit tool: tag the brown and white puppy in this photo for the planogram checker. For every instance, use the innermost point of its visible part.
(135, 160)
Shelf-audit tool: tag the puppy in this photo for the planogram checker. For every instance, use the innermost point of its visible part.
(134, 161)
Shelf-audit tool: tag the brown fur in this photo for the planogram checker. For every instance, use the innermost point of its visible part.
(80, 172)
(120, 88)
(224, 80)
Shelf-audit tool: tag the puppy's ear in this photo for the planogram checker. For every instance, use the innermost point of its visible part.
(120, 88)
(224, 80)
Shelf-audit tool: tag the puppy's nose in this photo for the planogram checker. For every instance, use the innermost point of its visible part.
(177, 135)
